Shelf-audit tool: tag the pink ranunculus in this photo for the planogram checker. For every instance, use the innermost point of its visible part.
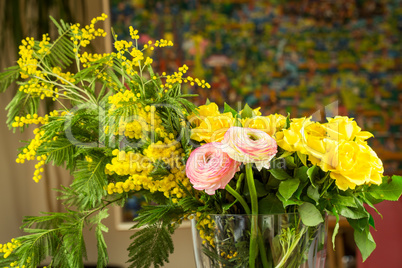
(209, 168)
(249, 145)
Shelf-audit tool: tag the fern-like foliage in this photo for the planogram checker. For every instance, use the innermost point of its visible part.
(8, 77)
(60, 151)
(150, 215)
(61, 50)
(90, 181)
(21, 104)
(100, 228)
(151, 246)
(59, 235)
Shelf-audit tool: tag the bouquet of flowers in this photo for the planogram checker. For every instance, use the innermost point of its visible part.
(121, 129)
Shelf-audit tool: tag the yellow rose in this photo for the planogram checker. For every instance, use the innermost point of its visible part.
(204, 111)
(212, 128)
(291, 139)
(314, 142)
(269, 124)
(351, 164)
(345, 128)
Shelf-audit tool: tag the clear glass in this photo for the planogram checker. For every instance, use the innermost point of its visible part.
(224, 241)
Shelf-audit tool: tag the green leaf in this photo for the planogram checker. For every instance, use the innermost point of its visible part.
(336, 228)
(228, 109)
(352, 213)
(270, 205)
(280, 174)
(312, 173)
(310, 215)
(261, 191)
(390, 189)
(301, 173)
(302, 157)
(371, 221)
(287, 125)
(247, 112)
(285, 154)
(359, 224)
(313, 193)
(370, 204)
(365, 242)
(341, 200)
(288, 202)
(151, 247)
(290, 162)
(288, 187)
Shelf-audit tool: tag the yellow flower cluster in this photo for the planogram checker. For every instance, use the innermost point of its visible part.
(29, 119)
(8, 248)
(134, 33)
(229, 255)
(37, 88)
(121, 99)
(338, 146)
(44, 45)
(122, 45)
(158, 43)
(65, 78)
(88, 58)
(140, 166)
(136, 56)
(128, 163)
(205, 229)
(83, 36)
(141, 123)
(165, 151)
(210, 125)
(27, 61)
(29, 153)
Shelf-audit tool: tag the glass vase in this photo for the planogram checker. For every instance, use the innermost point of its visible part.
(277, 241)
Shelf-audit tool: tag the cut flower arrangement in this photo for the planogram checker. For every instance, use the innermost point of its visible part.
(122, 129)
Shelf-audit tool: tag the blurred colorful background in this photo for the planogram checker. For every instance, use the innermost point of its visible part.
(305, 57)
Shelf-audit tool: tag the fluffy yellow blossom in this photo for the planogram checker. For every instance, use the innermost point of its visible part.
(9, 247)
(83, 36)
(27, 61)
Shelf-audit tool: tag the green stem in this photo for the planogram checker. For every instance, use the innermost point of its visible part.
(263, 252)
(254, 215)
(291, 247)
(238, 198)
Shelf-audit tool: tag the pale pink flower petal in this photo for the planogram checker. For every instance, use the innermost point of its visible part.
(249, 145)
(209, 168)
